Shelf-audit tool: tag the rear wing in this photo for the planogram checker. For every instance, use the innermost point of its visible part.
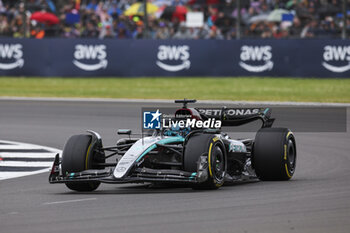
(238, 116)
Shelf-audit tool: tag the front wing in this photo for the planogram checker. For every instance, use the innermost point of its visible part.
(138, 175)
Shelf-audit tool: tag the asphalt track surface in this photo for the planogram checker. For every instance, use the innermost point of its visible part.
(317, 199)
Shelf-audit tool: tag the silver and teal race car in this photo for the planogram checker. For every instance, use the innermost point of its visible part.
(202, 157)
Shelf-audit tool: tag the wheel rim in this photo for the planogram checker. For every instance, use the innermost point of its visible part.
(218, 163)
(291, 154)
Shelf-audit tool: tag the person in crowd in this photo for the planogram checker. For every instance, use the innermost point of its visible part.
(106, 19)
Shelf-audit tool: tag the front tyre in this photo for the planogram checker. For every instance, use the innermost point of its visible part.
(77, 156)
(210, 148)
(274, 154)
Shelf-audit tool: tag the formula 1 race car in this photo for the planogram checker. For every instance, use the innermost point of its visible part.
(202, 157)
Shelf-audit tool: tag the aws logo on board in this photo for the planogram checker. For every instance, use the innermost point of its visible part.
(173, 58)
(338, 56)
(90, 57)
(11, 56)
(256, 58)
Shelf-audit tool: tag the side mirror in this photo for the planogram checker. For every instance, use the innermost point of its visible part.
(124, 131)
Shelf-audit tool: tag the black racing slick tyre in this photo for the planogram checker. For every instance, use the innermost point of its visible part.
(77, 156)
(274, 154)
(212, 148)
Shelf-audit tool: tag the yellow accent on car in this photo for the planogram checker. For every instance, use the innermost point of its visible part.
(285, 152)
(289, 133)
(215, 139)
(87, 157)
(287, 172)
(209, 161)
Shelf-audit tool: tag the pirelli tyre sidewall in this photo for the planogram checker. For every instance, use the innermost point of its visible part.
(213, 149)
(217, 162)
(274, 154)
(77, 156)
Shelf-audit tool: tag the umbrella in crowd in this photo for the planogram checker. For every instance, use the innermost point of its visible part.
(276, 15)
(138, 9)
(170, 12)
(45, 17)
(258, 18)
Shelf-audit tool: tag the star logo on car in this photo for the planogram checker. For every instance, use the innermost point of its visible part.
(121, 169)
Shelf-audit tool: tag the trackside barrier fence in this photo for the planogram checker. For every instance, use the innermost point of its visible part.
(128, 58)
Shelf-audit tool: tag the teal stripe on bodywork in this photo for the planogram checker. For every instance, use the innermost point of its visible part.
(146, 151)
(266, 110)
(193, 175)
(163, 142)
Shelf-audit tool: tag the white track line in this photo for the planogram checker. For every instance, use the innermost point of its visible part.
(27, 155)
(145, 101)
(19, 145)
(11, 175)
(25, 164)
(69, 201)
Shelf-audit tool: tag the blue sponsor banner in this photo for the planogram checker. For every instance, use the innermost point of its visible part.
(127, 58)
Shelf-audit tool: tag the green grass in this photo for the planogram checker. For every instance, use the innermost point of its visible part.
(258, 89)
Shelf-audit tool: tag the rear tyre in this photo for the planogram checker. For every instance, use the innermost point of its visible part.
(274, 154)
(77, 156)
(213, 149)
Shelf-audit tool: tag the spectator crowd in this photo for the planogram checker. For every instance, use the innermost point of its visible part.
(108, 19)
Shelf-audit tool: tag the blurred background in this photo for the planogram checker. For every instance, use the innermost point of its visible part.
(175, 19)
